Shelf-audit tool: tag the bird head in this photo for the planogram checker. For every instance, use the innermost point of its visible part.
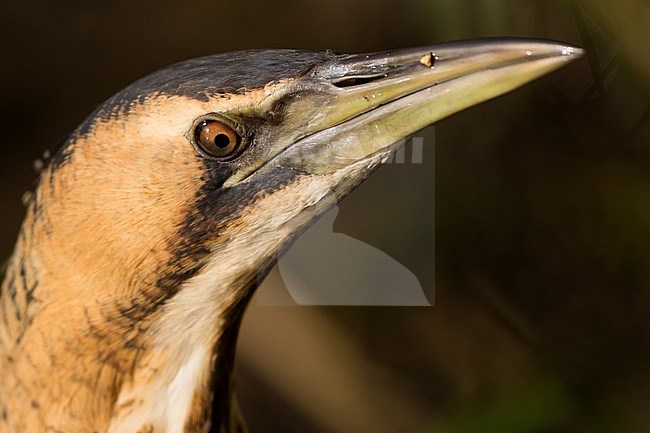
(239, 152)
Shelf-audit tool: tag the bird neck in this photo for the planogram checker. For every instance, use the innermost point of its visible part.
(115, 311)
(75, 360)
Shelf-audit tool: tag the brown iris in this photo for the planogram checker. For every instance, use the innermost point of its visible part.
(216, 138)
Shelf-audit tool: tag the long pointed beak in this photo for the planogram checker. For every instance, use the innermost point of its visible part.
(355, 106)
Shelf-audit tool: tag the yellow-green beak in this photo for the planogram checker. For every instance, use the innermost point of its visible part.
(354, 106)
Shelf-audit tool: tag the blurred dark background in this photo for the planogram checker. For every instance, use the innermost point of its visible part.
(539, 204)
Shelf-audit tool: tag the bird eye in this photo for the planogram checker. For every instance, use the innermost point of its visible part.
(216, 138)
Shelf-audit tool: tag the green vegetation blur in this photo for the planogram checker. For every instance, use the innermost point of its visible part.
(527, 223)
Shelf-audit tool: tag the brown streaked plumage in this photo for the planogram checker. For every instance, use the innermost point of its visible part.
(140, 248)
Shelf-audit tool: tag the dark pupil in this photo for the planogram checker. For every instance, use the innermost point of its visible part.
(222, 141)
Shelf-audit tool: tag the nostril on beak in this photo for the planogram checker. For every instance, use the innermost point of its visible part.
(357, 80)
